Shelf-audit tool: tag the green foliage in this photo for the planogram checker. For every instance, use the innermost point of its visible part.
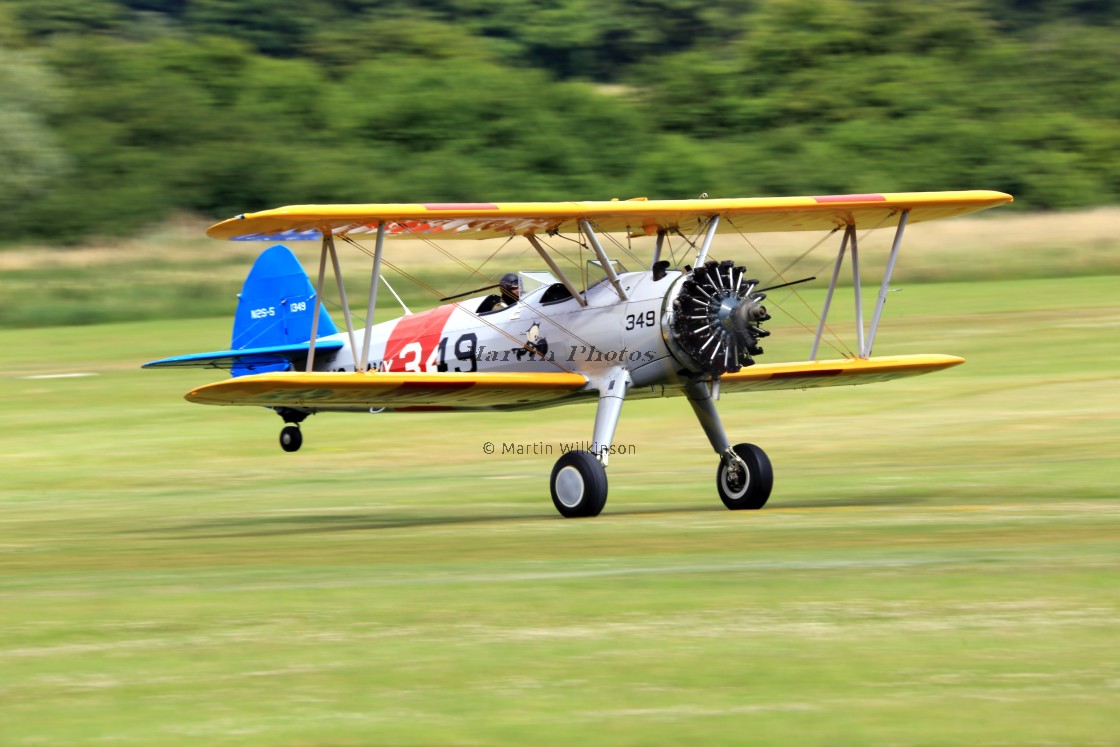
(31, 160)
(844, 95)
(119, 112)
(488, 127)
(44, 18)
(393, 33)
(274, 27)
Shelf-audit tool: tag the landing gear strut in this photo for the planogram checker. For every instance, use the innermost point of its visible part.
(579, 479)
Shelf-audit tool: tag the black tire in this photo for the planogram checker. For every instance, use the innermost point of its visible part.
(579, 485)
(291, 438)
(751, 491)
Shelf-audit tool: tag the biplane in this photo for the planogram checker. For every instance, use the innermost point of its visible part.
(686, 325)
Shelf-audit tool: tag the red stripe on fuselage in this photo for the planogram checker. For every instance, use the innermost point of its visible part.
(424, 328)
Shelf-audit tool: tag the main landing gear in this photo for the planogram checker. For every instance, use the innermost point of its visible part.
(578, 484)
(291, 438)
(579, 479)
(744, 477)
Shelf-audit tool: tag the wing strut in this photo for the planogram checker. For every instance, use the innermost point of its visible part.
(863, 346)
(555, 269)
(657, 248)
(372, 305)
(342, 296)
(713, 226)
(857, 289)
(586, 225)
(885, 288)
(318, 303)
(849, 231)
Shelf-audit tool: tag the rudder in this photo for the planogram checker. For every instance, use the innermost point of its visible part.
(276, 305)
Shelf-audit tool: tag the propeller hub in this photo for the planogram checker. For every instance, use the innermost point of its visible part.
(727, 314)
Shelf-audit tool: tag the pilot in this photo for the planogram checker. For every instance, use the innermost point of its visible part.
(510, 289)
(510, 293)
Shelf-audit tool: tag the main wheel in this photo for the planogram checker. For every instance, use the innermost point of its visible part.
(749, 489)
(579, 485)
(291, 438)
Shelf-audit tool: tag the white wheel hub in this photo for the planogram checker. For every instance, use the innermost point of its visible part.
(736, 494)
(569, 487)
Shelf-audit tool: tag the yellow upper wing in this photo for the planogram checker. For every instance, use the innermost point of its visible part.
(491, 220)
(454, 391)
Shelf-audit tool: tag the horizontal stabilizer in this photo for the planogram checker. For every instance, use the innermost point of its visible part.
(246, 357)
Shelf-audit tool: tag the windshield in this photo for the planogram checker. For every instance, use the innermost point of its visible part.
(530, 281)
(596, 274)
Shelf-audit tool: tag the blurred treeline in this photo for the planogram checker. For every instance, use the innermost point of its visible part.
(116, 113)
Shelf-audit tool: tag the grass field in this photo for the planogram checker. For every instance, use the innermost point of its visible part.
(939, 563)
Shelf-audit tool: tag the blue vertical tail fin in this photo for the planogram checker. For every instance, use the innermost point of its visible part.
(276, 307)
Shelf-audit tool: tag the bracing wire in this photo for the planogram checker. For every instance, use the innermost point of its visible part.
(843, 348)
(484, 263)
(439, 294)
(610, 237)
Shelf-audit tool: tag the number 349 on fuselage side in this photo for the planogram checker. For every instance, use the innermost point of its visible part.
(549, 337)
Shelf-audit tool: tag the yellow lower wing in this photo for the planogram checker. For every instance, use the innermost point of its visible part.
(480, 391)
(809, 374)
(394, 390)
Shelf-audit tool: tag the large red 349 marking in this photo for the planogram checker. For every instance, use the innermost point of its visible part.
(414, 342)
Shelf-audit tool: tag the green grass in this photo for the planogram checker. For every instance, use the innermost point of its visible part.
(938, 563)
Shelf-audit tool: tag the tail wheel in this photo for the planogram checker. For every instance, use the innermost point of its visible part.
(579, 485)
(291, 438)
(746, 485)
(716, 318)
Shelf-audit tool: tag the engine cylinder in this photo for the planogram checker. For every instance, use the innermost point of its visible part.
(716, 319)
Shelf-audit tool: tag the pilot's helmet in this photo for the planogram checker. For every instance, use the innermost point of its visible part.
(508, 283)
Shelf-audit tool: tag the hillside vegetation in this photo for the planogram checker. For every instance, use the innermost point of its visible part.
(119, 113)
